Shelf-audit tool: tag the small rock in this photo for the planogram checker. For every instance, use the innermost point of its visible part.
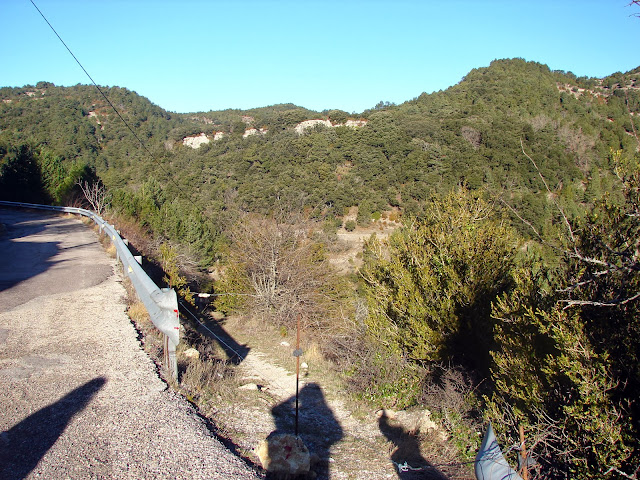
(304, 365)
(426, 423)
(385, 413)
(248, 386)
(285, 454)
(285, 344)
(191, 354)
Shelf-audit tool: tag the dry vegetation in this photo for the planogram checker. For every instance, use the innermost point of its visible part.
(211, 380)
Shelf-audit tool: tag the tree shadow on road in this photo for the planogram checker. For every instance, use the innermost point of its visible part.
(24, 445)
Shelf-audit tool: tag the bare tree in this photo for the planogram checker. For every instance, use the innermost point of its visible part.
(96, 194)
(283, 271)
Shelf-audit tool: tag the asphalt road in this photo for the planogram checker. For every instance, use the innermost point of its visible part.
(79, 398)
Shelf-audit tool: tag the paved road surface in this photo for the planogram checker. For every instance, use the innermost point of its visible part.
(79, 398)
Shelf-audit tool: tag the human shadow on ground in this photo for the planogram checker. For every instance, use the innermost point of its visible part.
(317, 426)
(24, 444)
(406, 457)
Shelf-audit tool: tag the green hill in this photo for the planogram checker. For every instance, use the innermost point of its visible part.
(469, 134)
(457, 310)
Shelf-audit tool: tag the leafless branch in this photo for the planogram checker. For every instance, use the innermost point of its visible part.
(570, 288)
(96, 194)
(566, 220)
(633, 126)
(615, 303)
(526, 222)
(620, 472)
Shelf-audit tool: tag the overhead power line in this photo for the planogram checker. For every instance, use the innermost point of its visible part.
(135, 135)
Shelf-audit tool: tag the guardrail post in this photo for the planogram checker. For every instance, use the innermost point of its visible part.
(170, 319)
(170, 359)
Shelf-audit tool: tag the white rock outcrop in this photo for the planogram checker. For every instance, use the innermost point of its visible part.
(302, 126)
(195, 141)
(254, 131)
(307, 124)
(355, 123)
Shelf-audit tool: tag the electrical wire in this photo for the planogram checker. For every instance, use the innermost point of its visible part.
(144, 147)
(275, 383)
(184, 307)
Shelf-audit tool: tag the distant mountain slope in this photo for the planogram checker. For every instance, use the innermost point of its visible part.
(469, 134)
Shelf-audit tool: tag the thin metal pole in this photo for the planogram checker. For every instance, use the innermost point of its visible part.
(297, 368)
(523, 452)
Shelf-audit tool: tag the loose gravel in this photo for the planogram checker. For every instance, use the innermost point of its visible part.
(80, 399)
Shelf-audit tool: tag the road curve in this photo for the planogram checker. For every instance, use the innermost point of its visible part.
(80, 399)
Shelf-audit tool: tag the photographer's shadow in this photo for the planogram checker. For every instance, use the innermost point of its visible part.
(317, 426)
(406, 456)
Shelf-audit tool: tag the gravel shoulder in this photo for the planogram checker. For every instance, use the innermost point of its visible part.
(80, 397)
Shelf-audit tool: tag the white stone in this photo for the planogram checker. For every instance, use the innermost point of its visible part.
(196, 141)
(302, 126)
(285, 454)
(191, 353)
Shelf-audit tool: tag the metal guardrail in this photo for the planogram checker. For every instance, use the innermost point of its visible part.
(161, 303)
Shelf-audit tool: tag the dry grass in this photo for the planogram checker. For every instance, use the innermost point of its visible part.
(138, 313)
(202, 379)
(150, 337)
(313, 353)
(111, 251)
(106, 242)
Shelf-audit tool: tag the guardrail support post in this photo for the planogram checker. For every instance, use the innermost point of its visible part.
(170, 360)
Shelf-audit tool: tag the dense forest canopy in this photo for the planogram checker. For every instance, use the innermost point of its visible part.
(468, 135)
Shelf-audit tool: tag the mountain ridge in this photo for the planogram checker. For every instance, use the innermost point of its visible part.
(470, 134)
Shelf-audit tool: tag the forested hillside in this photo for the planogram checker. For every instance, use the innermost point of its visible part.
(508, 291)
(468, 135)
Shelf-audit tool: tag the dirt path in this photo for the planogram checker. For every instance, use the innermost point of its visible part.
(347, 445)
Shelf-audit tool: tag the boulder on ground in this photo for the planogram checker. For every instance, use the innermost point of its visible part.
(284, 454)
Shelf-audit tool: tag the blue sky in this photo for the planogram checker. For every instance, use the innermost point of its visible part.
(198, 55)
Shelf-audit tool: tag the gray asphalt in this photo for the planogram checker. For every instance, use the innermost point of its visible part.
(80, 399)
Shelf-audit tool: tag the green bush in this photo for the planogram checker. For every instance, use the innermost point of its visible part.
(430, 286)
(350, 225)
